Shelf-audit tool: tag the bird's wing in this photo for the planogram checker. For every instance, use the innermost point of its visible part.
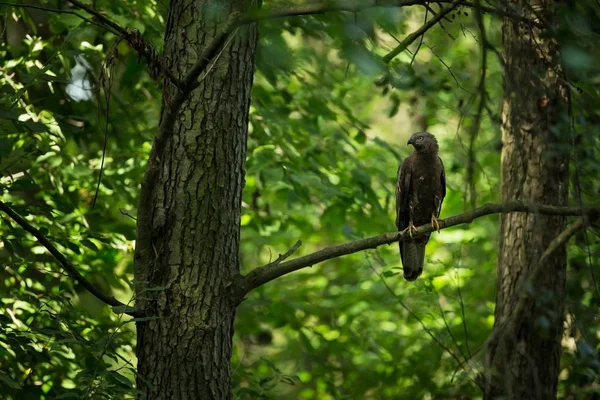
(403, 191)
(443, 184)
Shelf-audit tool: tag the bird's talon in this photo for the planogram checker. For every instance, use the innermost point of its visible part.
(410, 229)
(435, 223)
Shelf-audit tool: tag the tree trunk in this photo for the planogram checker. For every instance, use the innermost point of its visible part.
(189, 215)
(523, 361)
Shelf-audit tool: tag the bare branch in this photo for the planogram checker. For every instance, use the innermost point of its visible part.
(448, 68)
(70, 268)
(269, 272)
(288, 253)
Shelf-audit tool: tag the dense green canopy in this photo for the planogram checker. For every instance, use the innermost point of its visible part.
(330, 115)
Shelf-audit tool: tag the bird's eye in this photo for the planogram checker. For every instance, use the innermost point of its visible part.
(420, 138)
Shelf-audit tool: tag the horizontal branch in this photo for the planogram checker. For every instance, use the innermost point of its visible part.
(500, 12)
(324, 7)
(272, 271)
(70, 268)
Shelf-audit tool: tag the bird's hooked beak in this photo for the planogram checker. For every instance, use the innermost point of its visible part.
(410, 141)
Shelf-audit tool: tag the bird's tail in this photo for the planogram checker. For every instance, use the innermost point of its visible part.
(412, 255)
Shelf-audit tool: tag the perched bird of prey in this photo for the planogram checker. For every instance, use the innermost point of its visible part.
(420, 191)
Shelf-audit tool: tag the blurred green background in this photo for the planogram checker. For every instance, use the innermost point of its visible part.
(328, 128)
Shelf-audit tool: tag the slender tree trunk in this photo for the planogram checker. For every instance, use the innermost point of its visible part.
(523, 361)
(189, 219)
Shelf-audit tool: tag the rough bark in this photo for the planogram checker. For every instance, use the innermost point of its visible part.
(189, 215)
(523, 362)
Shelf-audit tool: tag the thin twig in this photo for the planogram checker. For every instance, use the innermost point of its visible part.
(462, 311)
(449, 330)
(448, 68)
(425, 328)
(287, 254)
(412, 60)
(427, 6)
(125, 213)
(470, 181)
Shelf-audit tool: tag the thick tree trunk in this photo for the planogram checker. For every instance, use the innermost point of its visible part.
(189, 219)
(523, 361)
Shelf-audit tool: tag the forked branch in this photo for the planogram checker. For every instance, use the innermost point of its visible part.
(70, 268)
(269, 272)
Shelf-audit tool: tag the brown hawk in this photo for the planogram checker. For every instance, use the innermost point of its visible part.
(420, 191)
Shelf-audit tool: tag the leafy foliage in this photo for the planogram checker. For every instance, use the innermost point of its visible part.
(329, 122)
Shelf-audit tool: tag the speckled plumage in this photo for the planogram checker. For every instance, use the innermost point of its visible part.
(420, 191)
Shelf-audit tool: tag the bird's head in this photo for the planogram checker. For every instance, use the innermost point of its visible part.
(424, 142)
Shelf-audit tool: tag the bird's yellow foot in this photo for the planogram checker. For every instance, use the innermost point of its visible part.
(435, 223)
(410, 229)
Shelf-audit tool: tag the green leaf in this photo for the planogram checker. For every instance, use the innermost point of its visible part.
(89, 244)
(73, 247)
(360, 137)
(10, 382)
(121, 379)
